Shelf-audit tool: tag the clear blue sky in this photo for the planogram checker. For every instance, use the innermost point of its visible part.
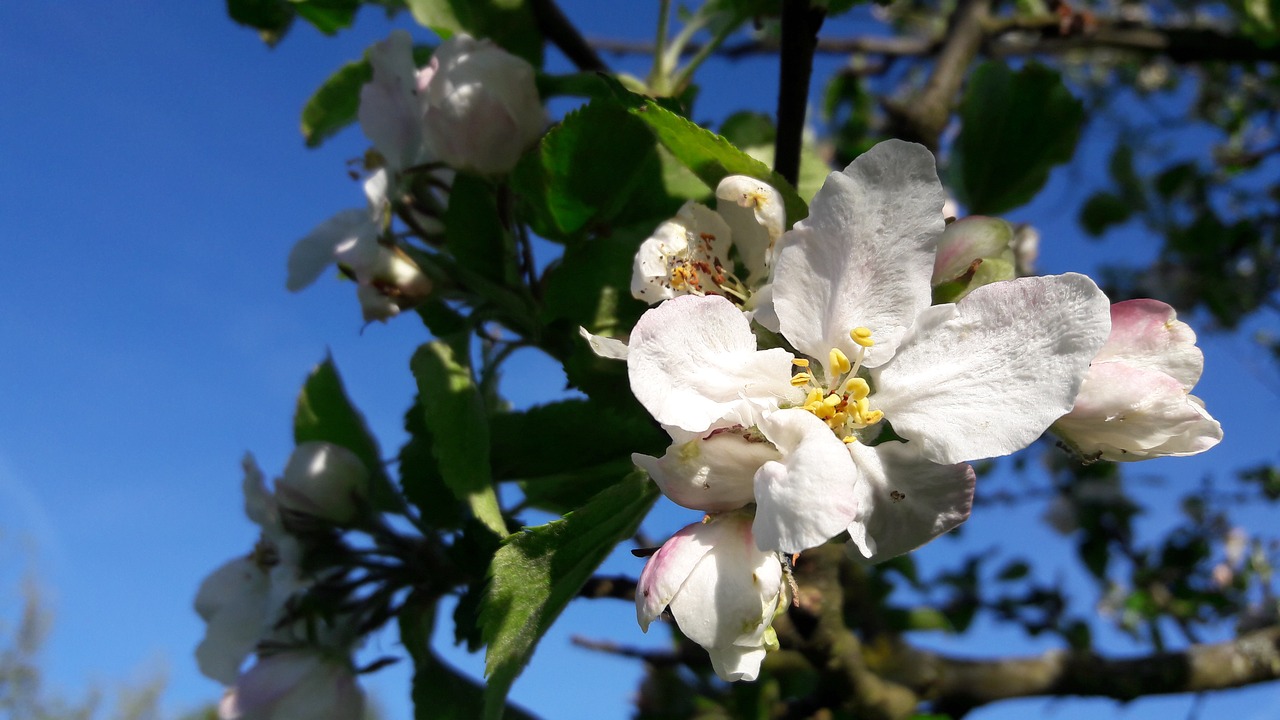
(153, 182)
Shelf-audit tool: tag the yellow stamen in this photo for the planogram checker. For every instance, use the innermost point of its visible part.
(800, 362)
(800, 379)
(839, 361)
(832, 400)
(814, 396)
(857, 388)
(862, 336)
(849, 439)
(872, 417)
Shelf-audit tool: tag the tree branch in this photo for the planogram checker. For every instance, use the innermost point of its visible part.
(800, 25)
(620, 587)
(956, 685)
(560, 31)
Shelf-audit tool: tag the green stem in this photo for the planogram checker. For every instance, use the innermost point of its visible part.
(659, 70)
(703, 53)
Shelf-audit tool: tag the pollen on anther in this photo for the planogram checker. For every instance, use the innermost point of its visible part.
(800, 379)
(839, 361)
(862, 336)
(849, 439)
(857, 388)
(800, 362)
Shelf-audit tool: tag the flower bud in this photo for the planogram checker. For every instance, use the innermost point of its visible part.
(325, 481)
(482, 108)
(972, 252)
(295, 684)
(1134, 403)
(723, 591)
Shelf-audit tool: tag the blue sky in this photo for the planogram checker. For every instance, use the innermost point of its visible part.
(154, 180)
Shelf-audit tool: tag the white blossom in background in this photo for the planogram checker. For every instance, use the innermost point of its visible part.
(481, 109)
(690, 253)
(309, 683)
(241, 601)
(1135, 403)
(851, 292)
(392, 104)
(324, 480)
(721, 589)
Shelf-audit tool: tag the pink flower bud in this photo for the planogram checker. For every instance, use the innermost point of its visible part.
(1134, 403)
(482, 108)
(722, 590)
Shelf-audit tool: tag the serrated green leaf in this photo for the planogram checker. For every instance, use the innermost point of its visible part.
(476, 237)
(708, 155)
(420, 477)
(539, 570)
(591, 287)
(325, 414)
(1015, 126)
(584, 171)
(454, 413)
(334, 104)
(509, 23)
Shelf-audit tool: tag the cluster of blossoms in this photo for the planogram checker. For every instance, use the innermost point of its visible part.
(474, 108)
(302, 669)
(862, 424)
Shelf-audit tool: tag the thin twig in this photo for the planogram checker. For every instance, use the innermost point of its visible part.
(800, 24)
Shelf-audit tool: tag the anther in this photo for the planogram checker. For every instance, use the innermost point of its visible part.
(862, 336)
(857, 388)
(839, 361)
(800, 379)
(800, 362)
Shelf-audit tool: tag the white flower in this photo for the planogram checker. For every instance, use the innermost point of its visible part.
(689, 254)
(482, 108)
(1135, 403)
(293, 685)
(392, 105)
(721, 589)
(851, 292)
(241, 601)
(323, 480)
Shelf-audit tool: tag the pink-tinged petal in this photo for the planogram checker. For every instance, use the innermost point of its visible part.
(809, 496)
(864, 256)
(1147, 333)
(913, 500)
(1127, 413)
(986, 376)
(713, 474)
(693, 364)
(322, 246)
(667, 570)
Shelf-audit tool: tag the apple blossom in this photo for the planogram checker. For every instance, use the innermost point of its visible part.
(690, 253)
(241, 601)
(323, 480)
(303, 683)
(1135, 402)
(481, 107)
(851, 292)
(722, 590)
(392, 104)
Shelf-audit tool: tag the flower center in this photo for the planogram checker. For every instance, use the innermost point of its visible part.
(697, 270)
(844, 403)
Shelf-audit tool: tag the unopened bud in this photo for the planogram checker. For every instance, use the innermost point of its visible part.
(325, 481)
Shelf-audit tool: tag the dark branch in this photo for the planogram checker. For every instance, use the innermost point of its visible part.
(800, 25)
(956, 685)
(560, 31)
(620, 587)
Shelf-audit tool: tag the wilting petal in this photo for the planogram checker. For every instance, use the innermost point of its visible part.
(756, 215)
(809, 495)
(1147, 334)
(693, 364)
(864, 256)
(319, 249)
(913, 500)
(713, 474)
(986, 376)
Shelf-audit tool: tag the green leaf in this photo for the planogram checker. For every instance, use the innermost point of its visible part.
(328, 16)
(271, 18)
(1101, 211)
(585, 169)
(1015, 570)
(420, 475)
(566, 436)
(455, 415)
(440, 692)
(325, 414)
(539, 570)
(335, 103)
(1015, 126)
(509, 23)
(476, 237)
(707, 154)
(591, 287)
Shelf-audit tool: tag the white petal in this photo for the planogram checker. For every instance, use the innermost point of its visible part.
(259, 503)
(651, 272)
(755, 213)
(605, 347)
(232, 601)
(864, 256)
(712, 474)
(693, 364)
(914, 500)
(985, 377)
(1147, 333)
(809, 496)
(390, 111)
(319, 249)
(734, 663)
